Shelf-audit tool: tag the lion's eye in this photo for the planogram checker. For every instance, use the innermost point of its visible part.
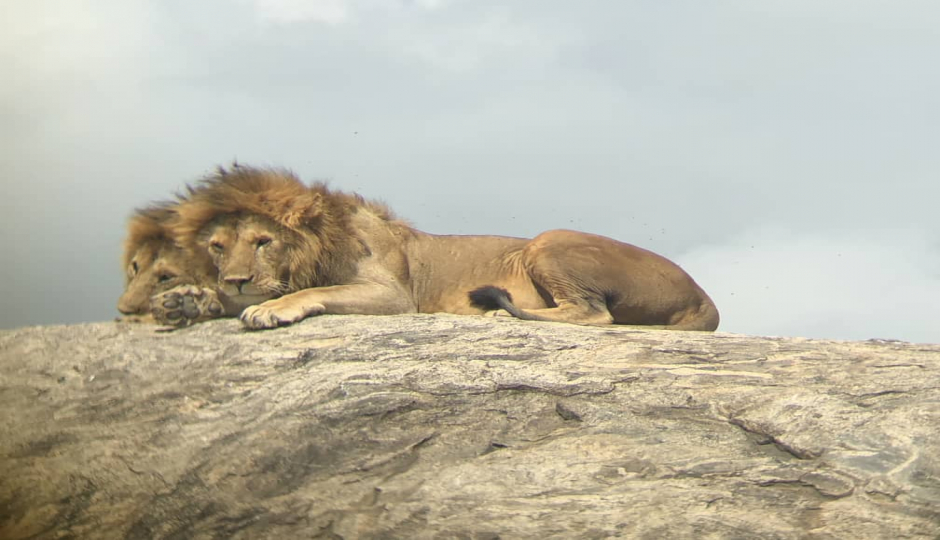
(165, 277)
(216, 246)
(135, 268)
(263, 241)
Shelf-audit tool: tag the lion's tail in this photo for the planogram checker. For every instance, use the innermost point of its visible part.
(490, 297)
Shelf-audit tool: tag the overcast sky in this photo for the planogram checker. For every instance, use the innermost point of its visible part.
(786, 153)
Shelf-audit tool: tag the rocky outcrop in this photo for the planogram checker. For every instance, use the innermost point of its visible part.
(463, 427)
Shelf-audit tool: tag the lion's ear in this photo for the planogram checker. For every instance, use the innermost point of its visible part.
(314, 207)
(304, 210)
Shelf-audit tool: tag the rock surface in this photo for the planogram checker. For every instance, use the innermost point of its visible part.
(463, 427)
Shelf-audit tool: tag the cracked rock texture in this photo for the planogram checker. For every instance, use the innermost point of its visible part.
(422, 426)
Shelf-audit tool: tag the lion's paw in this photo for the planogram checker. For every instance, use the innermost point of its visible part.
(185, 305)
(274, 313)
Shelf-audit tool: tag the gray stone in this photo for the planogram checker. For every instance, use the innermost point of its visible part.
(421, 426)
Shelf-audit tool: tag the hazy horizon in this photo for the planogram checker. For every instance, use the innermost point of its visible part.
(783, 153)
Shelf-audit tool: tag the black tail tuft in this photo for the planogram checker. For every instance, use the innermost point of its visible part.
(490, 297)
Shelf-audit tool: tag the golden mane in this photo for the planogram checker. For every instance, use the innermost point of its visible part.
(148, 225)
(324, 246)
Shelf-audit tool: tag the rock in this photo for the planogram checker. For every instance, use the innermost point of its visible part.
(421, 426)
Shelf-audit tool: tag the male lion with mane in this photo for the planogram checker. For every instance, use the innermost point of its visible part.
(285, 251)
(153, 263)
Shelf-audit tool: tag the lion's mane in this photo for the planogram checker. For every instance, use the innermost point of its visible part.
(324, 248)
(149, 225)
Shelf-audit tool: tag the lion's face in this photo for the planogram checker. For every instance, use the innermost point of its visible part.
(252, 255)
(154, 268)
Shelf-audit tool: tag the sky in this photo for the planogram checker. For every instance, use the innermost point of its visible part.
(784, 153)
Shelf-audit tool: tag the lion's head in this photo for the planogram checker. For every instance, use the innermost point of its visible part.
(153, 262)
(268, 233)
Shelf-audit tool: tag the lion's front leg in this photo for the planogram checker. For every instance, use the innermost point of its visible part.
(185, 305)
(368, 298)
(279, 312)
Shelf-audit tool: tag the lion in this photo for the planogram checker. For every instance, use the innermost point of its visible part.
(285, 251)
(153, 263)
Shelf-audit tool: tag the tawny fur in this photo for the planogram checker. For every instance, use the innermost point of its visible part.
(153, 262)
(315, 220)
(306, 250)
(148, 226)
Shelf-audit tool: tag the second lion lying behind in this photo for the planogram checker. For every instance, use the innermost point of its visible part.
(153, 263)
(290, 251)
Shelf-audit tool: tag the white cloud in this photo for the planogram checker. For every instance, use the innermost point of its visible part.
(491, 38)
(431, 4)
(294, 11)
(836, 285)
(48, 41)
(333, 12)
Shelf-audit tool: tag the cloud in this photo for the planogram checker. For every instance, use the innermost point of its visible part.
(848, 285)
(477, 40)
(640, 121)
(432, 4)
(332, 12)
(293, 11)
(54, 42)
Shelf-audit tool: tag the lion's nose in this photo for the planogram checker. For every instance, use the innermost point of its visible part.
(237, 281)
(128, 308)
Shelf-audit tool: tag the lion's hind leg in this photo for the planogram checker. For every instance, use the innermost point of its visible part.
(561, 264)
